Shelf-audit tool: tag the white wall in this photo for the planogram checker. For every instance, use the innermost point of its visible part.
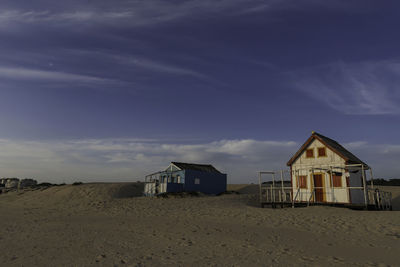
(302, 166)
(149, 188)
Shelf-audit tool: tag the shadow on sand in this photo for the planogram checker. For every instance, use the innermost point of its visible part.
(129, 190)
(252, 191)
(396, 203)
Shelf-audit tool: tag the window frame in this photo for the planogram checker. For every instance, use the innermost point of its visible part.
(318, 149)
(335, 179)
(310, 149)
(302, 181)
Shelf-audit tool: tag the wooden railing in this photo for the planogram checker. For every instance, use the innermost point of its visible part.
(382, 200)
(275, 195)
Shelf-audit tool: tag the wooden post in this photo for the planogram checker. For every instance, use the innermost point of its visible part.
(297, 185)
(282, 185)
(372, 178)
(294, 174)
(332, 187)
(273, 186)
(313, 185)
(270, 194)
(364, 185)
(297, 178)
(259, 182)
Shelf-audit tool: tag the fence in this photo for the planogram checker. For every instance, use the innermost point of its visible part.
(275, 192)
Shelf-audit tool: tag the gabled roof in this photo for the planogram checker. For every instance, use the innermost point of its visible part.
(196, 167)
(349, 157)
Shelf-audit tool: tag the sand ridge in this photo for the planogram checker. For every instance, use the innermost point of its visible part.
(112, 225)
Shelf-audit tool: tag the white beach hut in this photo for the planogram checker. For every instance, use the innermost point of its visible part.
(324, 172)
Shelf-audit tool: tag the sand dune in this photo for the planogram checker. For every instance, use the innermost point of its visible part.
(112, 225)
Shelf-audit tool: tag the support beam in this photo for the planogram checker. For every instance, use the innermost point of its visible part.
(259, 182)
(332, 186)
(372, 178)
(282, 185)
(364, 186)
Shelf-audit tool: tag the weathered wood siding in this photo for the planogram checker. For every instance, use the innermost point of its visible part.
(302, 167)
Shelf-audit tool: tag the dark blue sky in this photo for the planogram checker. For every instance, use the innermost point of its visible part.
(194, 76)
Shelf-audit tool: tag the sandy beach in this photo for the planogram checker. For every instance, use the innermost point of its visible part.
(113, 225)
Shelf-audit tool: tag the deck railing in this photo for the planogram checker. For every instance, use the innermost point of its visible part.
(382, 200)
(284, 195)
(269, 193)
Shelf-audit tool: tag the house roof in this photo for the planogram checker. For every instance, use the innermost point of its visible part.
(349, 157)
(196, 167)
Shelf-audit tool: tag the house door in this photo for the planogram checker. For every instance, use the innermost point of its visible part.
(318, 186)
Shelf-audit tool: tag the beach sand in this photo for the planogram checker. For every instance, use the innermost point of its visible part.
(112, 225)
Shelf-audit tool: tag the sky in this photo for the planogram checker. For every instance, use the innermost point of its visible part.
(114, 90)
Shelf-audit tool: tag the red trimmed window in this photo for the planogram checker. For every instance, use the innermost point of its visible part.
(303, 181)
(321, 152)
(337, 180)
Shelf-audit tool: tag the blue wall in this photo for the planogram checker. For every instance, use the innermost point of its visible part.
(173, 188)
(210, 182)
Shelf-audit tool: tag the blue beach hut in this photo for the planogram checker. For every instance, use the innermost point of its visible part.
(186, 177)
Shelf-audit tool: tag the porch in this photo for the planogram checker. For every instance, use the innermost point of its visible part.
(281, 191)
(163, 182)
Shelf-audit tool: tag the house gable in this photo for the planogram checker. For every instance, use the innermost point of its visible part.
(328, 157)
(172, 167)
(333, 150)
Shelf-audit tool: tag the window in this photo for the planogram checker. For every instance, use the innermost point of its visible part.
(303, 181)
(169, 179)
(321, 152)
(181, 180)
(196, 181)
(337, 180)
(310, 153)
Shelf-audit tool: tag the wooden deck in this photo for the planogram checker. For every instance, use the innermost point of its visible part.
(306, 204)
(279, 196)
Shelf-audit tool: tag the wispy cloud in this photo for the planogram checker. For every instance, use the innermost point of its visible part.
(165, 68)
(134, 13)
(133, 62)
(46, 75)
(255, 9)
(56, 71)
(153, 12)
(353, 88)
(149, 12)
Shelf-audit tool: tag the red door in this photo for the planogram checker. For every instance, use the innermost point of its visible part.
(318, 186)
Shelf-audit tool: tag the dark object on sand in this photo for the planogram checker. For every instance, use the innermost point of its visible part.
(230, 192)
(180, 194)
(44, 185)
